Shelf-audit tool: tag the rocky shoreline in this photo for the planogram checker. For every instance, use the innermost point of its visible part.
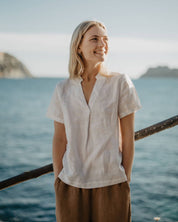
(160, 72)
(11, 67)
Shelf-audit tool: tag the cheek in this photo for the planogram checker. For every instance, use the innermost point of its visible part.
(88, 51)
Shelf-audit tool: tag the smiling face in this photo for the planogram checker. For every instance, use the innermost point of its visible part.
(94, 46)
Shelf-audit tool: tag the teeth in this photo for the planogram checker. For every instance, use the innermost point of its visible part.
(100, 52)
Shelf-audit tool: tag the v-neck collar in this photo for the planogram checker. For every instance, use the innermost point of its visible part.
(95, 91)
(98, 76)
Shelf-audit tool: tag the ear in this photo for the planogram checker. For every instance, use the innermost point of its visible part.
(79, 50)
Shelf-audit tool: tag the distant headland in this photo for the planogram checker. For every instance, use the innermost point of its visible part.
(11, 67)
(161, 72)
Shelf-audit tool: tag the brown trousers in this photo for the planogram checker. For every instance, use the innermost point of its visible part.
(104, 204)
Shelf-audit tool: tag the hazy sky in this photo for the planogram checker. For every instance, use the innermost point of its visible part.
(143, 33)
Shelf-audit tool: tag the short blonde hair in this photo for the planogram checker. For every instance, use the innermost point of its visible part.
(76, 65)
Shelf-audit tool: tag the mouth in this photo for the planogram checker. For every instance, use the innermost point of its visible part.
(100, 52)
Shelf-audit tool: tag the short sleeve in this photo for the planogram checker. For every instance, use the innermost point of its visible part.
(54, 111)
(128, 98)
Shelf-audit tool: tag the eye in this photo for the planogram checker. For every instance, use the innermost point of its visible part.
(106, 39)
(95, 39)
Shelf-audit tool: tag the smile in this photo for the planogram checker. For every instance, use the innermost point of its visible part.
(101, 52)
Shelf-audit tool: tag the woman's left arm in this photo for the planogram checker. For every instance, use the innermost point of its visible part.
(127, 134)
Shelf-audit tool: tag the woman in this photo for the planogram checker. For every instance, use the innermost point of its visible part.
(90, 110)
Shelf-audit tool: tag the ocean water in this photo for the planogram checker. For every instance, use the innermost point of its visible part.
(26, 141)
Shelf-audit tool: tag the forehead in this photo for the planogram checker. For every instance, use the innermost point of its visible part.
(96, 30)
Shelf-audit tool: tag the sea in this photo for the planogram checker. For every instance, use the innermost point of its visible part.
(26, 144)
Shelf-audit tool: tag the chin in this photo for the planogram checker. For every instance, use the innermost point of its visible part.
(102, 59)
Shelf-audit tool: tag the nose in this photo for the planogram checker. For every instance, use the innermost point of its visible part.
(102, 43)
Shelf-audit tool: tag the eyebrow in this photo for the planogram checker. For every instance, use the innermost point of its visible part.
(98, 36)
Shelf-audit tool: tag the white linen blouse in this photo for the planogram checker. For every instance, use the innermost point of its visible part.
(92, 158)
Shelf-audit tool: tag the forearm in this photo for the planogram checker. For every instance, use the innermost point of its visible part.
(59, 148)
(128, 157)
(127, 144)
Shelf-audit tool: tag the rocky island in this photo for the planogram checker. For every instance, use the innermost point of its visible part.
(11, 67)
(161, 71)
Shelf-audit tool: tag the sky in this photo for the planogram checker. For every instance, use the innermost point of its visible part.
(142, 33)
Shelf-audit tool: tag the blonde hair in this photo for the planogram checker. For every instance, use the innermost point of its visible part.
(76, 65)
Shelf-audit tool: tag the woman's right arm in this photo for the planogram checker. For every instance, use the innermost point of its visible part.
(59, 147)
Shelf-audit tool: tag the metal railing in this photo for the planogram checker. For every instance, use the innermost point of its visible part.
(168, 123)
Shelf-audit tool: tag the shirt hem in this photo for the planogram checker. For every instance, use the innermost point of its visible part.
(129, 112)
(54, 118)
(92, 185)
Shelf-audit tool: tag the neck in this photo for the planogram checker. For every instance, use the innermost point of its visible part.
(91, 71)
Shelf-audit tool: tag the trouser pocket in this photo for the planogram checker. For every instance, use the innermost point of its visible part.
(57, 181)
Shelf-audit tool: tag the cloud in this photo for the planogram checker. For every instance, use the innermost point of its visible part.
(130, 45)
(47, 54)
(34, 42)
